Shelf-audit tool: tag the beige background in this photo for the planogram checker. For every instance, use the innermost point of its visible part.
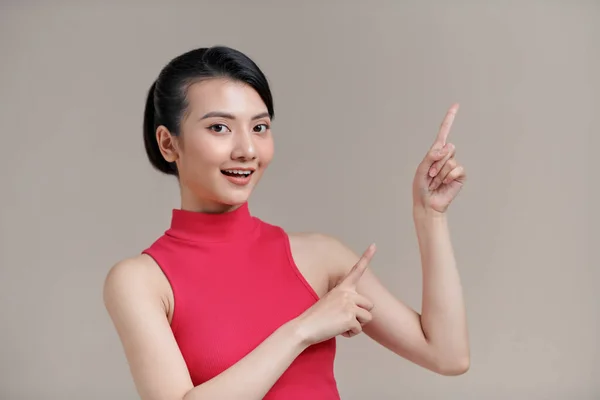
(360, 90)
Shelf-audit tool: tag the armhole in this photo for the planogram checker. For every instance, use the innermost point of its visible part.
(176, 299)
(294, 266)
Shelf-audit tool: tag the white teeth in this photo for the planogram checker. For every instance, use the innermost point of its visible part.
(234, 171)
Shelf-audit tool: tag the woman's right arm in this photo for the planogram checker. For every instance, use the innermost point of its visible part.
(155, 361)
(133, 300)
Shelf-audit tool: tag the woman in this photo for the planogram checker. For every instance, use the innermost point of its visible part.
(227, 306)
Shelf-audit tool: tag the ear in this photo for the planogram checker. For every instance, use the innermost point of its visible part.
(167, 143)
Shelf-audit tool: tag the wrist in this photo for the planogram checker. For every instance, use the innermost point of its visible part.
(293, 330)
(426, 213)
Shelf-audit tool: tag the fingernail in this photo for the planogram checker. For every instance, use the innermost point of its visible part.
(432, 172)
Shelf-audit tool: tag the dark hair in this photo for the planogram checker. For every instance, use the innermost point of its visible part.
(166, 102)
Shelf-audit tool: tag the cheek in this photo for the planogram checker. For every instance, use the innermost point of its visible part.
(265, 149)
(204, 151)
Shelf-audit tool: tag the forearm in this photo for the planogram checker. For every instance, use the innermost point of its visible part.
(443, 316)
(254, 375)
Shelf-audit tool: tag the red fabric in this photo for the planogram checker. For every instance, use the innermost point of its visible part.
(234, 282)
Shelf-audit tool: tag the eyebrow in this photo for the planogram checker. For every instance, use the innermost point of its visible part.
(222, 114)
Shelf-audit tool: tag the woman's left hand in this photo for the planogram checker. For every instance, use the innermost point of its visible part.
(439, 177)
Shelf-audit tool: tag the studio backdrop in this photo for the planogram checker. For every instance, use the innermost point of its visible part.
(360, 89)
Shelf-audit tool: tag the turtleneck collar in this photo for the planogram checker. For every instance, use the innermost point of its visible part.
(234, 225)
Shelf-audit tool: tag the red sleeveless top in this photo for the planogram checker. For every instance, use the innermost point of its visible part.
(234, 283)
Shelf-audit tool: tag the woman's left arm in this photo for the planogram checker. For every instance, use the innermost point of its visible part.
(436, 339)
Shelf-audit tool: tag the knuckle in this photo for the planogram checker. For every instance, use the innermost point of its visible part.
(344, 298)
(349, 316)
(348, 305)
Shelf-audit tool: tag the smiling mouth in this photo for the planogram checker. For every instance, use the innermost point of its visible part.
(237, 173)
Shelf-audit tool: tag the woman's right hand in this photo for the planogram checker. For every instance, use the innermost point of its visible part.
(342, 311)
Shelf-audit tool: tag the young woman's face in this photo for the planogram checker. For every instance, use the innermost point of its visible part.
(225, 144)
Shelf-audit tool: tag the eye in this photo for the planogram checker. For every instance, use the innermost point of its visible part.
(218, 128)
(261, 128)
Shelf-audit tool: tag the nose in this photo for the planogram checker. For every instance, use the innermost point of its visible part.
(243, 148)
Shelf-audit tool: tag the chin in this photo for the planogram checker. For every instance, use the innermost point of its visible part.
(236, 198)
(233, 195)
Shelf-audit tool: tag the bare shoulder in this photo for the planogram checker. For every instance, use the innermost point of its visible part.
(324, 252)
(318, 242)
(321, 241)
(135, 293)
(133, 280)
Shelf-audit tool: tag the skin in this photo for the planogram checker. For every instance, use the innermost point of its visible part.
(352, 299)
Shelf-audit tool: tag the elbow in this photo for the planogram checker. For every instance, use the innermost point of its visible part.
(454, 367)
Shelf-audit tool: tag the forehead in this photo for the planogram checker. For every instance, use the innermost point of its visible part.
(220, 94)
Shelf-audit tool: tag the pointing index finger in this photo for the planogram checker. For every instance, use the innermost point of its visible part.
(359, 268)
(446, 125)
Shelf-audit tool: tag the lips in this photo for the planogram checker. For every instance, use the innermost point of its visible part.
(239, 177)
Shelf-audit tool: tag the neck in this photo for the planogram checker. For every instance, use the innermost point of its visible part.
(216, 208)
(205, 205)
